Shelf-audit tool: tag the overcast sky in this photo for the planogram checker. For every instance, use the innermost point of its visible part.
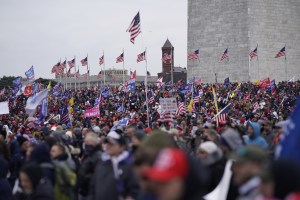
(39, 33)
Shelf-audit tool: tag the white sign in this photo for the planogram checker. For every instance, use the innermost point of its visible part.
(4, 108)
(168, 104)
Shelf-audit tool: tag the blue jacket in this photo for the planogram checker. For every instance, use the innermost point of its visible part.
(256, 139)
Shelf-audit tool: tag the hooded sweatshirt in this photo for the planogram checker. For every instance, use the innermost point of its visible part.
(256, 139)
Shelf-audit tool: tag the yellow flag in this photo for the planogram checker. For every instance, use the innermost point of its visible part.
(49, 86)
(256, 82)
(231, 95)
(215, 99)
(190, 106)
(71, 102)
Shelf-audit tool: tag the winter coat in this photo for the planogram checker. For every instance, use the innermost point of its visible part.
(256, 139)
(43, 191)
(86, 171)
(5, 188)
(114, 178)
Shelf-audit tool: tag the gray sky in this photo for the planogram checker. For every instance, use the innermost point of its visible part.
(39, 33)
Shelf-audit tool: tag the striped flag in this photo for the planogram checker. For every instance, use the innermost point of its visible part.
(55, 68)
(63, 64)
(222, 115)
(71, 63)
(134, 28)
(69, 73)
(65, 118)
(150, 97)
(141, 57)
(120, 58)
(166, 57)
(101, 60)
(253, 53)
(84, 62)
(86, 75)
(181, 108)
(77, 74)
(225, 54)
(255, 107)
(159, 82)
(280, 53)
(194, 55)
(99, 75)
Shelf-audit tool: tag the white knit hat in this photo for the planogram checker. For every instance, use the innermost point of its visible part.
(209, 147)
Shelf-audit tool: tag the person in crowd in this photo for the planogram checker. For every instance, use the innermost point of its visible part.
(254, 137)
(212, 157)
(114, 172)
(5, 187)
(137, 138)
(175, 176)
(249, 163)
(33, 184)
(91, 156)
(281, 180)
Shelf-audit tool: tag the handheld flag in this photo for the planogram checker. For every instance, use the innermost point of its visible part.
(30, 74)
(131, 82)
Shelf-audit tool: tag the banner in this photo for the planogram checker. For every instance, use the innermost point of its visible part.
(264, 83)
(4, 109)
(93, 112)
(168, 105)
(30, 74)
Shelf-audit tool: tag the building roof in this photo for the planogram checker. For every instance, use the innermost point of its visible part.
(179, 69)
(167, 44)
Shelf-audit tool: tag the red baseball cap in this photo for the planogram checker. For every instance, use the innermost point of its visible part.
(171, 163)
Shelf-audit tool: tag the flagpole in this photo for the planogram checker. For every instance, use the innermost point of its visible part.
(285, 62)
(249, 67)
(146, 88)
(172, 78)
(103, 69)
(87, 68)
(123, 69)
(75, 77)
(257, 63)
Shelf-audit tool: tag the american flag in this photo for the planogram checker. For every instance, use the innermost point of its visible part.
(255, 107)
(84, 62)
(222, 115)
(225, 54)
(181, 108)
(166, 57)
(63, 64)
(148, 74)
(150, 97)
(65, 118)
(141, 57)
(77, 74)
(196, 99)
(134, 28)
(120, 58)
(253, 53)
(69, 73)
(159, 82)
(99, 75)
(101, 60)
(280, 53)
(71, 63)
(55, 68)
(86, 74)
(194, 55)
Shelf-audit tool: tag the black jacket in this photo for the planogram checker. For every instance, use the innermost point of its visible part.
(43, 191)
(86, 171)
(111, 183)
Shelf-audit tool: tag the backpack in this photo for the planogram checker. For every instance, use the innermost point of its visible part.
(65, 181)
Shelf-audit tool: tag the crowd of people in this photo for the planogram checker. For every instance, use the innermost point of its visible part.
(134, 150)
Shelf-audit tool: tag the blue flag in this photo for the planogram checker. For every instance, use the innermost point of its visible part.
(17, 82)
(122, 122)
(121, 108)
(226, 81)
(44, 109)
(30, 74)
(290, 143)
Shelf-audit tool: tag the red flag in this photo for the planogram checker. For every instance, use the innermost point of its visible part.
(28, 90)
(264, 83)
